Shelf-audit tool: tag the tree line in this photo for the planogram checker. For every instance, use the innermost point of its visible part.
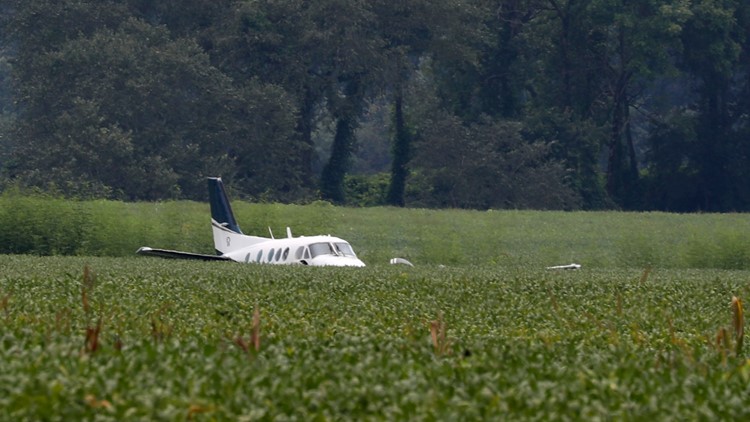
(548, 104)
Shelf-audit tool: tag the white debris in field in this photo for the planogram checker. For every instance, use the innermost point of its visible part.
(565, 267)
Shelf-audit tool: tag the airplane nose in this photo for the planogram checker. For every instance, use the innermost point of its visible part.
(337, 261)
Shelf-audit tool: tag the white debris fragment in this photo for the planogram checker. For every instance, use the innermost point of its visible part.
(401, 261)
(565, 267)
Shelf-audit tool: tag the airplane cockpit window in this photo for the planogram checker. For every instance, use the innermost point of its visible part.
(323, 248)
(344, 249)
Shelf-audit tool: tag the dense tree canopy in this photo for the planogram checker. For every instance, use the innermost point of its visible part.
(550, 104)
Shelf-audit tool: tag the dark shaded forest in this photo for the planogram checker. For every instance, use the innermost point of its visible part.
(543, 104)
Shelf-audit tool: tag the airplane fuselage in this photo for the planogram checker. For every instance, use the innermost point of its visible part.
(233, 245)
(305, 250)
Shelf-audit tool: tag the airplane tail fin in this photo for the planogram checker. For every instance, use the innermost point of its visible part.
(227, 234)
(221, 211)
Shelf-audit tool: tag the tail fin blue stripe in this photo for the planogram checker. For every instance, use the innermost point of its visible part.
(221, 211)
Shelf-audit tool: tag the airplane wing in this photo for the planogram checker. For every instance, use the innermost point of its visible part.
(166, 253)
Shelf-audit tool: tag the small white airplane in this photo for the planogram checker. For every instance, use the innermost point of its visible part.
(232, 245)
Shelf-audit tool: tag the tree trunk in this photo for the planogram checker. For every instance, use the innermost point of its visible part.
(401, 154)
(332, 179)
(305, 128)
(334, 172)
(614, 163)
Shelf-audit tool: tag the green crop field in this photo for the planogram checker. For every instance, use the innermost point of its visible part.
(44, 226)
(478, 329)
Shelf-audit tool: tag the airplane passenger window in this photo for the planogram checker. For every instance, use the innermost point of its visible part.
(247, 258)
(278, 254)
(298, 253)
(260, 255)
(285, 255)
(270, 255)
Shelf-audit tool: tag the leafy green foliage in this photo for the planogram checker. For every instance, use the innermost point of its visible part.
(132, 113)
(366, 191)
(45, 226)
(336, 343)
(42, 225)
(487, 165)
(638, 104)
